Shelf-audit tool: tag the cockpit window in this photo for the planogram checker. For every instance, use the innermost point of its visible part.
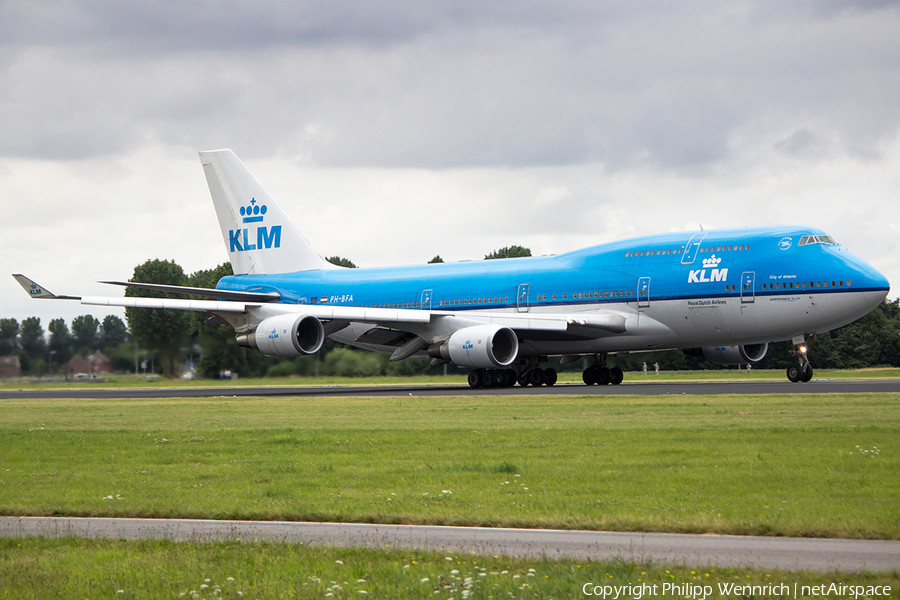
(826, 240)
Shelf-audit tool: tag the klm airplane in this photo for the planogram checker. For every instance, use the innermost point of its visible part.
(723, 295)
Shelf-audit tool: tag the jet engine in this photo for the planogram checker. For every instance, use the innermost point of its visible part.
(479, 347)
(730, 355)
(285, 335)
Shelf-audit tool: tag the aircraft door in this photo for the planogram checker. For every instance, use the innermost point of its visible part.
(643, 292)
(692, 247)
(522, 297)
(748, 287)
(425, 303)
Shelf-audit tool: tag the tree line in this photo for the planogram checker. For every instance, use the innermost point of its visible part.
(39, 352)
(169, 336)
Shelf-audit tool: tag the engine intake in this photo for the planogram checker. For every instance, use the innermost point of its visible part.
(730, 355)
(479, 347)
(286, 336)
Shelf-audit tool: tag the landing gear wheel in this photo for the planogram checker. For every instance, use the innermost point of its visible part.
(488, 379)
(550, 377)
(807, 373)
(617, 375)
(474, 379)
(795, 372)
(509, 377)
(604, 376)
(589, 376)
(536, 377)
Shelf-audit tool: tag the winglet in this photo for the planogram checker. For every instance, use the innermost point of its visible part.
(36, 291)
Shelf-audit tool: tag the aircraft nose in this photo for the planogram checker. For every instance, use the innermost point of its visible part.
(877, 286)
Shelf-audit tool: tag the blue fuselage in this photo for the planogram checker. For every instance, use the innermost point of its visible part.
(744, 264)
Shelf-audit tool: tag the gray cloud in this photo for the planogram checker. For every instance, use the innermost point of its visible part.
(436, 86)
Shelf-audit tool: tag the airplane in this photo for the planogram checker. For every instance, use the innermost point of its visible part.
(723, 295)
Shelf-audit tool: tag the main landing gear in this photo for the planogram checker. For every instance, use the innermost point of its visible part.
(600, 374)
(800, 370)
(526, 372)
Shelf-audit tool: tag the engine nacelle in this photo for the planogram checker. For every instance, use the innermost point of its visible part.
(479, 347)
(730, 355)
(286, 335)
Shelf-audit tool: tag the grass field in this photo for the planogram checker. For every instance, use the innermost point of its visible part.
(37, 569)
(822, 465)
(826, 465)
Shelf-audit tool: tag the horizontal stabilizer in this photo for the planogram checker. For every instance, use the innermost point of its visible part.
(36, 291)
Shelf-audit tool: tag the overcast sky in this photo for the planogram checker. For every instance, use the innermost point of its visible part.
(393, 131)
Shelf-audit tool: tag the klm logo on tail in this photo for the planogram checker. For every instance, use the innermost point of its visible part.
(264, 238)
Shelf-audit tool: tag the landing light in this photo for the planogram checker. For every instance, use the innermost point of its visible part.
(802, 349)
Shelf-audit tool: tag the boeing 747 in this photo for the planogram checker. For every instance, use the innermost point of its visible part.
(723, 295)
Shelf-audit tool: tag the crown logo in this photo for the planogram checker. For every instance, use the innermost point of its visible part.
(253, 213)
(711, 262)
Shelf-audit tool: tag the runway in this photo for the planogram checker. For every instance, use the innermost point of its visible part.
(817, 386)
(793, 554)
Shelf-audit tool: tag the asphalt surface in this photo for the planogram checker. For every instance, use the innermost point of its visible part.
(816, 386)
(695, 550)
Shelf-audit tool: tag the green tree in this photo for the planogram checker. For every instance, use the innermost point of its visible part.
(9, 334)
(60, 341)
(162, 330)
(32, 342)
(113, 332)
(437, 259)
(341, 262)
(216, 337)
(85, 333)
(509, 252)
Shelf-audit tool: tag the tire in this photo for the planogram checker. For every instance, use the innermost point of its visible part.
(795, 372)
(604, 376)
(589, 377)
(474, 379)
(536, 377)
(617, 375)
(550, 377)
(807, 373)
(488, 379)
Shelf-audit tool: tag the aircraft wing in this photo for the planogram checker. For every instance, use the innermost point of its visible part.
(260, 305)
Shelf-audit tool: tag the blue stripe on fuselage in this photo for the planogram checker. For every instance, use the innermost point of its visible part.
(608, 273)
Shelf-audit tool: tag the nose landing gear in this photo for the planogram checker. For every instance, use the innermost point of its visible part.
(800, 370)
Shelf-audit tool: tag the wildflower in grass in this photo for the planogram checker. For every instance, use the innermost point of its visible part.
(339, 562)
(424, 580)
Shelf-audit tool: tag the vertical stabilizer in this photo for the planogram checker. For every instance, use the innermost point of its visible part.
(258, 235)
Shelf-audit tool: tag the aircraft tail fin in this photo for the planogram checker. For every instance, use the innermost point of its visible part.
(258, 235)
